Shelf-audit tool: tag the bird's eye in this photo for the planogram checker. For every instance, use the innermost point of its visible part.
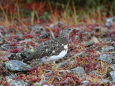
(41, 29)
(97, 30)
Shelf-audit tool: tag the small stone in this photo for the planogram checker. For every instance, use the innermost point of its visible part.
(109, 21)
(80, 54)
(106, 58)
(112, 75)
(84, 83)
(113, 60)
(80, 72)
(94, 73)
(25, 41)
(106, 39)
(40, 83)
(108, 48)
(111, 68)
(16, 66)
(95, 40)
(89, 43)
(105, 82)
(10, 77)
(6, 47)
(18, 83)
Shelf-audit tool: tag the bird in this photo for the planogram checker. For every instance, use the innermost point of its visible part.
(52, 50)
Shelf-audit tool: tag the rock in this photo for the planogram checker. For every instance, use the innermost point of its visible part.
(6, 47)
(113, 60)
(105, 81)
(20, 36)
(16, 66)
(40, 83)
(106, 39)
(109, 21)
(10, 77)
(95, 40)
(106, 58)
(88, 43)
(111, 68)
(107, 48)
(81, 54)
(18, 83)
(80, 72)
(25, 41)
(112, 75)
(4, 55)
(94, 73)
(84, 83)
(12, 82)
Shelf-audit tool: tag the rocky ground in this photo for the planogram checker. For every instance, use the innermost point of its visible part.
(90, 60)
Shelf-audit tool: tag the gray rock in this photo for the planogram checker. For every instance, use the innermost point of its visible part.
(109, 21)
(16, 66)
(113, 60)
(84, 83)
(94, 73)
(106, 58)
(40, 83)
(80, 54)
(105, 81)
(108, 48)
(10, 77)
(18, 83)
(112, 67)
(26, 40)
(106, 39)
(6, 47)
(89, 43)
(112, 75)
(79, 71)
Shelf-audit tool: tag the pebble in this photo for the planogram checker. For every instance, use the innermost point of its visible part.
(80, 72)
(106, 58)
(112, 75)
(16, 66)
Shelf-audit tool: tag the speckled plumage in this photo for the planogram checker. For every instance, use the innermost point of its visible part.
(53, 47)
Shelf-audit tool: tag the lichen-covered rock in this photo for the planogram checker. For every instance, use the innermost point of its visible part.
(112, 67)
(80, 72)
(18, 83)
(16, 66)
(108, 48)
(106, 58)
(112, 75)
(109, 21)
